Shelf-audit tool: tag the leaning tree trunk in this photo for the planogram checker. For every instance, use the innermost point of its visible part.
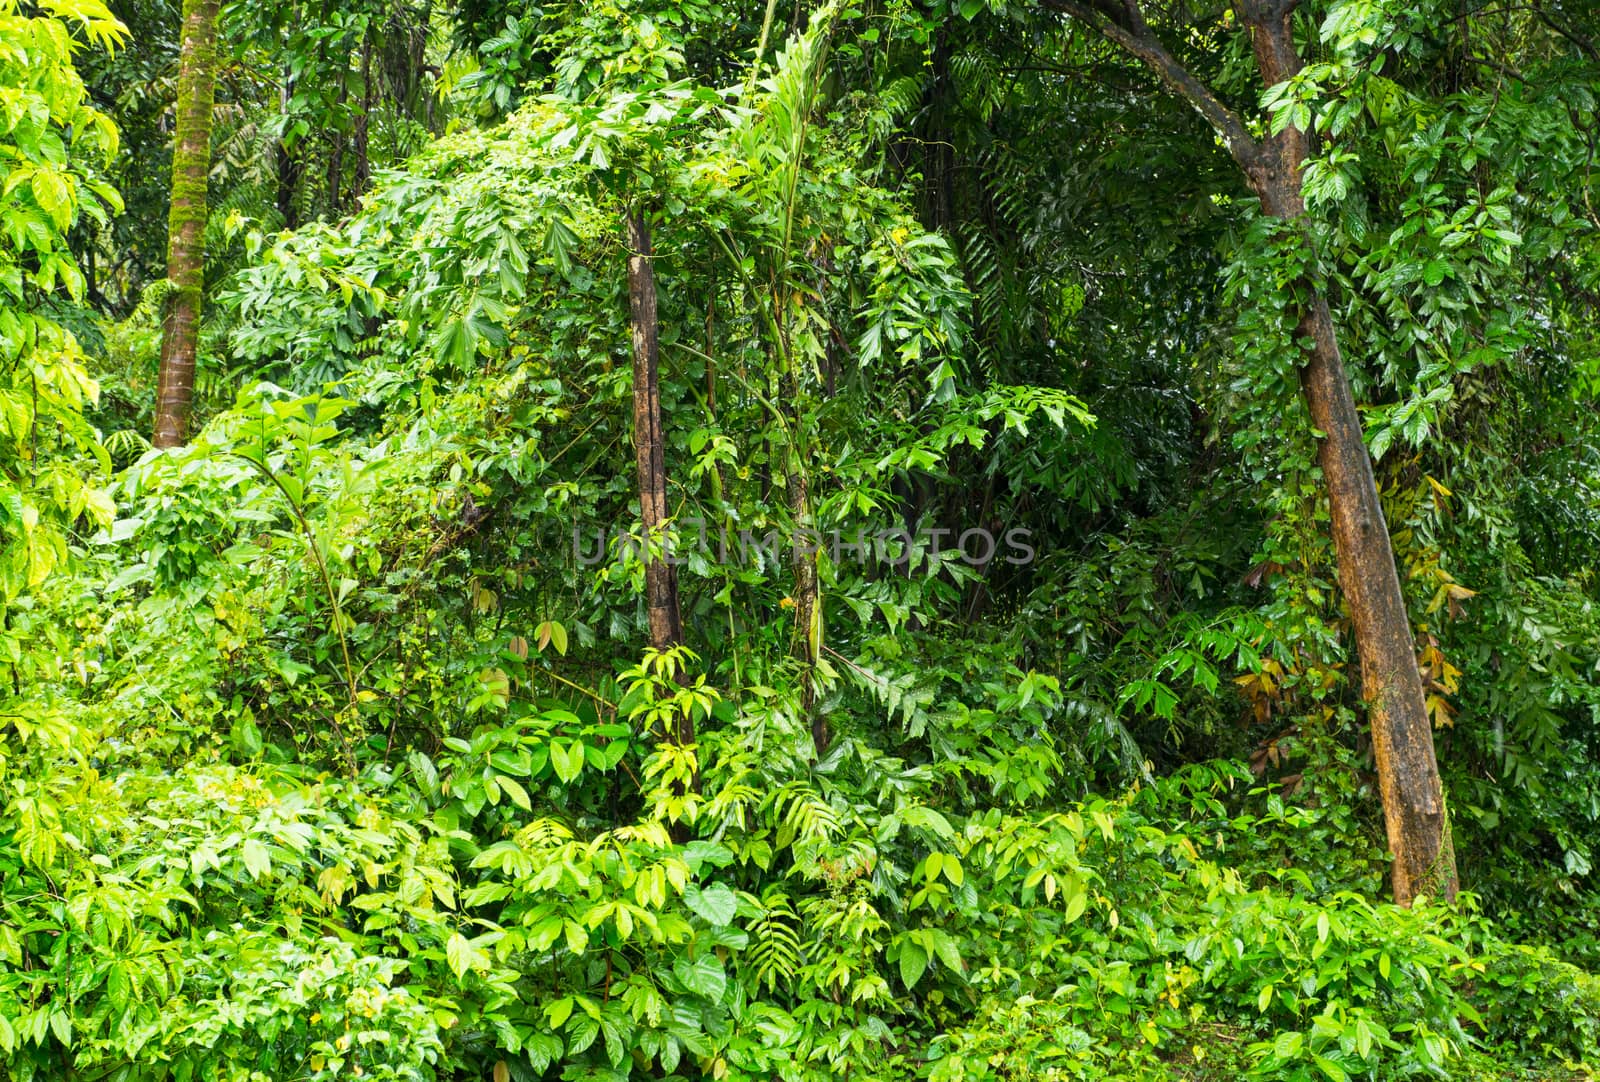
(660, 574)
(186, 223)
(1391, 683)
(1402, 733)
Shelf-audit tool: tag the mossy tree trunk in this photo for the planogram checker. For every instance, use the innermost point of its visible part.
(186, 224)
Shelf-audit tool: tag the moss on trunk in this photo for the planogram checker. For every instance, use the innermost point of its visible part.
(186, 222)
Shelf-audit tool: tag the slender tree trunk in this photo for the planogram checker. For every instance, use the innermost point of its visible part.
(288, 163)
(940, 152)
(1402, 734)
(336, 153)
(363, 170)
(186, 224)
(660, 574)
(807, 609)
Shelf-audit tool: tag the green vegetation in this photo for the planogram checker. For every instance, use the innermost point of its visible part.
(976, 670)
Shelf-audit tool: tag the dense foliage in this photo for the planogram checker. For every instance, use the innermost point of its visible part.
(1027, 735)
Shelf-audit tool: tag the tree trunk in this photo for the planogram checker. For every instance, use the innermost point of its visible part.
(336, 152)
(363, 171)
(807, 609)
(660, 574)
(288, 163)
(186, 223)
(939, 164)
(1402, 733)
(1417, 824)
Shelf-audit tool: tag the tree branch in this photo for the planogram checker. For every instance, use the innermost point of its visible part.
(1584, 45)
(1122, 22)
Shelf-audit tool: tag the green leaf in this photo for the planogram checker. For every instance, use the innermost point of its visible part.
(514, 790)
(1330, 1068)
(1287, 1046)
(567, 759)
(913, 963)
(945, 946)
(577, 937)
(458, 953)
(716, 904)
(53, 193)
(581, 1034)
(245, 737)
(703, 976)
(928, 819)
(256, 859)
(1077, 898)
(558, 1011)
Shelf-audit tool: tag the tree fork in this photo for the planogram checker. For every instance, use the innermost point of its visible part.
(186, 222)
(1414, 811)
(1402, 733)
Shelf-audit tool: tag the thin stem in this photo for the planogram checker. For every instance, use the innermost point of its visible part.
(333, 600)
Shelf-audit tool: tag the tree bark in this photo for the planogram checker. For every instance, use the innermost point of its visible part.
(186, 222)
(336, 152)
(288, 164)
(1397, 712)
(807, 609)
(660, 574)
(1415, 818)
(363, 170)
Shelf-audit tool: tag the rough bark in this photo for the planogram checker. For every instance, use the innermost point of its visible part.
(1397, 712)
(1402, 734)
(186, 223)
(660, 574)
